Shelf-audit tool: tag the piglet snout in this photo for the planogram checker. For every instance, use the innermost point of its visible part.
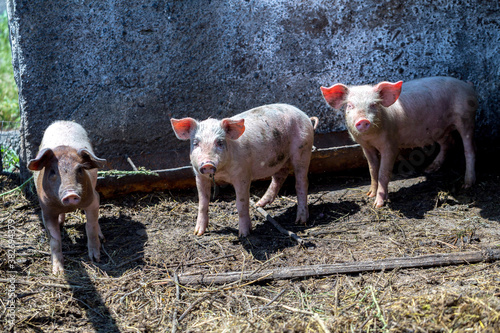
(208, 168)
(71, 198)
(362, 125)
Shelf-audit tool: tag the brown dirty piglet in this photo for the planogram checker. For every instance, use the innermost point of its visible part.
(389, 116)
(263, 142)
(65, 175)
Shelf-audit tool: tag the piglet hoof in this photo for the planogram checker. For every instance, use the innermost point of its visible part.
(379, 202)
(469, 182)
(467, 186)
(265, 200)
(301, 219)
(95, 254)
(262, 203)
(432, 168)
(198, 231)
(245, 230)
(57, 268)
(244, 233)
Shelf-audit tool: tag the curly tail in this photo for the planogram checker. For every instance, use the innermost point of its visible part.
(314, 121)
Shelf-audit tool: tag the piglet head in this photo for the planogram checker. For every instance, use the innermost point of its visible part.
(362, 103)
(209, 141)
(63, 178)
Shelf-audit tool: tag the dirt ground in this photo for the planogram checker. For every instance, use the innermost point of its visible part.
(150, 242)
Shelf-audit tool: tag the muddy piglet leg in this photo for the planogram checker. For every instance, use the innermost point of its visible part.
(93, 229)
(203, 185)
(242, 188)
(371, 154)
(52, 224)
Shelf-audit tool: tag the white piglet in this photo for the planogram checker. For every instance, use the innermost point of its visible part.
(389, 116)
(260, 143)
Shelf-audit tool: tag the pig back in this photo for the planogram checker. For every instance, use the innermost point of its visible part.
(429, 108)
(273, 134)
(269, 122)
(66, 133)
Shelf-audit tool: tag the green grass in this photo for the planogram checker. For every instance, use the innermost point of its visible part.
(9, 106)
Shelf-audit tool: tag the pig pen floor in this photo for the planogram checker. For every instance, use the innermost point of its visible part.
(149, 242)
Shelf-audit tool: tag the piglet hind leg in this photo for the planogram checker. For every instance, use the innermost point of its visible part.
(277, 181)
(444, 145)
(467, 135)
(301, 168)
(94, 234)
(242, 189)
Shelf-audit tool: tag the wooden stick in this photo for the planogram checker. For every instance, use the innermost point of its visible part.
(132, 164)
(191, 307)
(175, 322)
(434, 260)
(276, 224)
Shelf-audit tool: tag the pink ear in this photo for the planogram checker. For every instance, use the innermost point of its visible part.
(335, 95)
(233, 128)
(389, 92)
(183, 127)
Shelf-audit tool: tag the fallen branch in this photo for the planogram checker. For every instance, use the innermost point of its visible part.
(276, 224)
(435, 260)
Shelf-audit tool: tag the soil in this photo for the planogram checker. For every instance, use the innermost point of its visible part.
(150, 242)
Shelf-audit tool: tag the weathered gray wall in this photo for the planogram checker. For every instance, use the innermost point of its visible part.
(122, 67)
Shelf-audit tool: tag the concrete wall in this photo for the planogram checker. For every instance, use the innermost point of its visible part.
(121, 68)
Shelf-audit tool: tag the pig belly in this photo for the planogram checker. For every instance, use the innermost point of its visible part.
(268, 168)
(253, 170)
(420, 137)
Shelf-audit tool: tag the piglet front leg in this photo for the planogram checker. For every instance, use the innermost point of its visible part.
(203, 185)
(242, 188)
(93, 229)
(374, 166)
(53, 225)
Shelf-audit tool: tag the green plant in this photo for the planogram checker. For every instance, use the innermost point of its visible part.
(9, 106)
(10, 160)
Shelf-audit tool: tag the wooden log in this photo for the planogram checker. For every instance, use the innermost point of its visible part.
(434, 260)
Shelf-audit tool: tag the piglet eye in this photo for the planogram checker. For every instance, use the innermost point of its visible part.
(221, 143)
(349, 106)
(196, 143)
(52, 174)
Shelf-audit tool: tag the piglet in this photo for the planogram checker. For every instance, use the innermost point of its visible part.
(65, 176)
(260, 143)
(389, 116)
